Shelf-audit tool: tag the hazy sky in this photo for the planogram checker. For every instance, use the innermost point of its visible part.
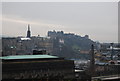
(99, 20)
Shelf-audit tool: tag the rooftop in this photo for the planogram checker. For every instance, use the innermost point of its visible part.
(27, 57)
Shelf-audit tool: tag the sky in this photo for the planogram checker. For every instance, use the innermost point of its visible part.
(99, 20)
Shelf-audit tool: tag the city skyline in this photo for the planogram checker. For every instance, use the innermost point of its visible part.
(96, 19)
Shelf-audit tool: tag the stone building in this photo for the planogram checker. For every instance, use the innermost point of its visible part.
(36, 67)
(23, 46)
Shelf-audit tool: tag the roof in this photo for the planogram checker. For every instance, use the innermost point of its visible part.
(27, 57)
(107, 78)
(25, 39)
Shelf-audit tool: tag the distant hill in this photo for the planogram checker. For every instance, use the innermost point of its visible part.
(69, 45)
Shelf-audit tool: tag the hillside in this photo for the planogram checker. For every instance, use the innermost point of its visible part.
(70, 45)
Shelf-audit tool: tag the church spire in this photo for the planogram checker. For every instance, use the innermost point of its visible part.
(28, 27)
(28, 32)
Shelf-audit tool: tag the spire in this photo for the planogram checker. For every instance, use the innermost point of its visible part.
(28, 32)
(28, 27)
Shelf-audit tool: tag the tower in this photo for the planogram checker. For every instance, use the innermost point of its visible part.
(92, 61)
(28, 32)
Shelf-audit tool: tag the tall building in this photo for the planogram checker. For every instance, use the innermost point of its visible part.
(28, 32)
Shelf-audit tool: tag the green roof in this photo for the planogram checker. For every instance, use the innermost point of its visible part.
(27, 57)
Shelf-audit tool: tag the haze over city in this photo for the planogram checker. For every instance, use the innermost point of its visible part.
(60, 40)
(99, 20)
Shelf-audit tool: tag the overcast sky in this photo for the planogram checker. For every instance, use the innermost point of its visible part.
(99, 20)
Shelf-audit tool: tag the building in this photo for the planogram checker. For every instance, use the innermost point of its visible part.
(36, 67)
(25, 45)
(9, 45)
